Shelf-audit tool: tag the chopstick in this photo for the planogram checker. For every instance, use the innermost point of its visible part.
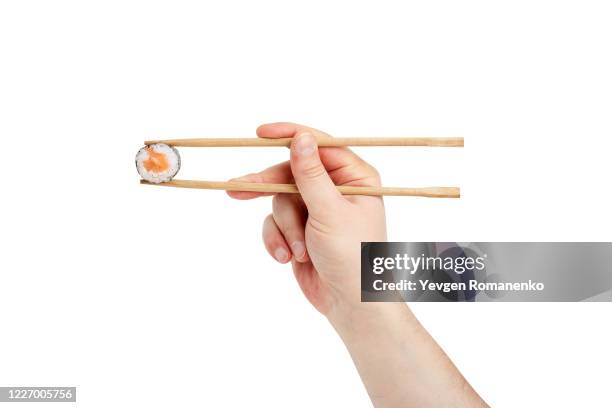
(322, 142)
(432, 192)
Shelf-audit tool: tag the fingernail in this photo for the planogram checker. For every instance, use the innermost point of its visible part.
(298, 249)
(305, 144)
(281, 254)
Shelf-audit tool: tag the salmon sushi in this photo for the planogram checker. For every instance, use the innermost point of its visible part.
(158, 163)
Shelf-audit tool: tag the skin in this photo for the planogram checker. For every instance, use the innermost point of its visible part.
(319, 232)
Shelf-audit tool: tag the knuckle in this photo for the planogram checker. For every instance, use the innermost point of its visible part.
(279, 201)
(375, 174)
(256, 178)
(325, 214)
(267, 223)
(313, 171)
(319, 223)
(370, 173)
(373, 171)
(268, 232)
(275, 203)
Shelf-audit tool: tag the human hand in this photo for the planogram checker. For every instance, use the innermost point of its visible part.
(319, 230)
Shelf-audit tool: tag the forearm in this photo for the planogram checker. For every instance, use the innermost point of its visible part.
(398, 361)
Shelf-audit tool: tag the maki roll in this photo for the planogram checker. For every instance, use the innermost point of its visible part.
(158, 163)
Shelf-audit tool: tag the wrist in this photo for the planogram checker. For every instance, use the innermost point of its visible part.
(399, 363)
(354, 320)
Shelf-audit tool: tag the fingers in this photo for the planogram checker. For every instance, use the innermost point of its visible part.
(316, 187)
(278, 130)
(280, 173)
(283, 231)
(274, 241)
(348, 169)
(286, 129)
(343, 165)
(290, 216)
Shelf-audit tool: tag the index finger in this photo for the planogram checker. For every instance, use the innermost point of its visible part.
(285, 129)
(343, 165)
(277, 174)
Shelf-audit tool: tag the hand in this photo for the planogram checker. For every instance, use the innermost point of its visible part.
(319, 230)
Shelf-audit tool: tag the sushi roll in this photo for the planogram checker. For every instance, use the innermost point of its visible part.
(158, 163)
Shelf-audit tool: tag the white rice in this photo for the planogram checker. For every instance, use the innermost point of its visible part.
(171, 154)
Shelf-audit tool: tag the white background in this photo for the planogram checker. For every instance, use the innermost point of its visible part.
(144, 296)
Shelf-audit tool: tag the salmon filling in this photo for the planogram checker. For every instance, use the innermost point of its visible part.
(157, 162)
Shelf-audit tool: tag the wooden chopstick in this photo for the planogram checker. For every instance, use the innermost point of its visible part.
(323, 142)
(433, 192)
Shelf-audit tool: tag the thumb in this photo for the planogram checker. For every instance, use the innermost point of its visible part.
(317, 189)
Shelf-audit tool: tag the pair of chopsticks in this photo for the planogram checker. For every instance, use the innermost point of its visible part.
(435, 192)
